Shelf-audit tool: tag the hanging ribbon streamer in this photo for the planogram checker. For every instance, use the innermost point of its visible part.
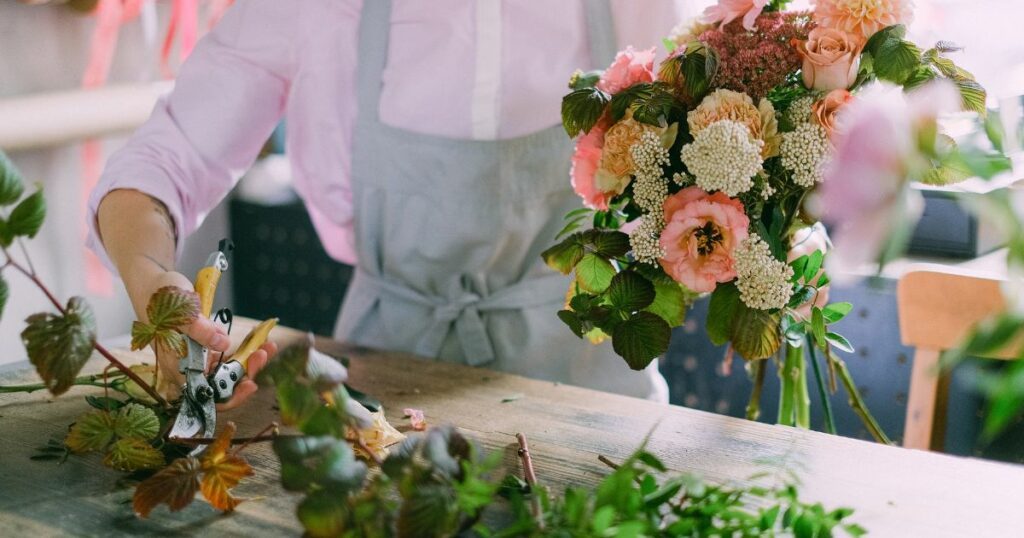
(110, 16)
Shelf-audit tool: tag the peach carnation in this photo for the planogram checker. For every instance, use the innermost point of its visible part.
(701, 232)
(862, 17)
(739, 107)
(585, 162)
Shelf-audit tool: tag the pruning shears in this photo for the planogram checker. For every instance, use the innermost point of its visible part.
(198, 414)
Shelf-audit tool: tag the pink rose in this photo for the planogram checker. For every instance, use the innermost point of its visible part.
(701, 232)
(585, 163)
(831, 59)
(726, 11)
(630, 67)
(805, 241)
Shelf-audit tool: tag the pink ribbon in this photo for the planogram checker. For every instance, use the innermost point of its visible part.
(110, 16)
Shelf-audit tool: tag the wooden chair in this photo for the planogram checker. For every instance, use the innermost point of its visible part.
(937, 309)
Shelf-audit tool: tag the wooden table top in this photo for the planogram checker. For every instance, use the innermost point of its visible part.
(895, 492)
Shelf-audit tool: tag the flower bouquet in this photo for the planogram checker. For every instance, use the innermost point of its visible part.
(709, 173)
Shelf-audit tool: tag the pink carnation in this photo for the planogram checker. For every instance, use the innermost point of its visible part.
(585, 162)
(630, 67)
(701, 232)
(726, 11)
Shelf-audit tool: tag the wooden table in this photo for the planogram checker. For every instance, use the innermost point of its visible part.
(895, 492)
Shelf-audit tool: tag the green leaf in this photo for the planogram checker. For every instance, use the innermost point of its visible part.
(133, 454)
(104, 403)
(323, 514)
(594, 273)
(818, 325)
(571, 226)
(564, 256)
(755, 333)
(573, 321)
(629, 292)
(836, 311)
(59, 345)
(582, 79)
(670, 303)
(724, 302)
(12, 186)
(170, 311)
(134, 420)
(606, 243)
(839, 341)
(641, 339)
(895, 59)
(27, 217)
(92, 431)
(427, 507)
(813, 266)
(972, 94)
(581, 109)
(5, 293)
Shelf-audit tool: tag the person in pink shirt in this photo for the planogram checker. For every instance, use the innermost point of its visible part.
(425, 140)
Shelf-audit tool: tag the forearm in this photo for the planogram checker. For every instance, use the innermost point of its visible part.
(138, 234)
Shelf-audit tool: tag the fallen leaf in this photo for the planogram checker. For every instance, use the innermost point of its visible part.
(511, 398)
(416, 418)
(92, 431)
(175, 486)
(133, 454)
(222, 471)
(378, 437)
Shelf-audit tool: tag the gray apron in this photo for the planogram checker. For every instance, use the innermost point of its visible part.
(449, 234)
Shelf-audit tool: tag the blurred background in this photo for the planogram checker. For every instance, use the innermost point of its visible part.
(46, 117)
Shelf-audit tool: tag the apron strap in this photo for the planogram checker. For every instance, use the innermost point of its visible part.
(374, 34)
(600, 32)
(463, 308)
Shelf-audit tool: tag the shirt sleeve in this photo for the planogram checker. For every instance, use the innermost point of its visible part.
(228, 97)
(644, 24)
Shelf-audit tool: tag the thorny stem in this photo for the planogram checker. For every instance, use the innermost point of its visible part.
(530, 476)
(262, 434)
(86, 380)
(234, 440)
(31, 275)
(754, 405)
(857, 402)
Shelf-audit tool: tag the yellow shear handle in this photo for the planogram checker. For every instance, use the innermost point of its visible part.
(252, 342)
(206, 287)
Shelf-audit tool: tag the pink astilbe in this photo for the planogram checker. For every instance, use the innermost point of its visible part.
(756, 61)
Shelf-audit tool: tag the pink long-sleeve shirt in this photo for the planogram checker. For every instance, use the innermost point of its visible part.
(476, 69)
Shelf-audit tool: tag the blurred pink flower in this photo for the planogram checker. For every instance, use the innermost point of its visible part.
(701, 232)
(726, 11)
(585, 162)
(864, 196)
(630, 67)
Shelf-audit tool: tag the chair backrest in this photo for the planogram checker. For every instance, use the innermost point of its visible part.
(937, 309)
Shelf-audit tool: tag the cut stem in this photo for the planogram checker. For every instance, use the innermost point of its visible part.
(757, 372)
(857, 402)
(234, 440)
(787, 390)
(85, 380)
(826, 402)
(530, 477)
(802, 398)
(261, 435)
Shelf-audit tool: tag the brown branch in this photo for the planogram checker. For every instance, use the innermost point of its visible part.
(234, 441)
(262, 433)
(604, 459)
(31, 275)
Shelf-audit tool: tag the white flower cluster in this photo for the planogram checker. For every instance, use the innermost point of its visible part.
(644, 239)
(650, 188)
(724, 157)
(681, 179)
(763, 281)
(805, 152)
(799, 111)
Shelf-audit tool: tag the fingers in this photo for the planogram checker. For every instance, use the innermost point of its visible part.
(256, 362)
(243, 391)
(209, 334)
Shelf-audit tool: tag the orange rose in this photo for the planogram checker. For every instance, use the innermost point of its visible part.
(824, 111)
(831, 59)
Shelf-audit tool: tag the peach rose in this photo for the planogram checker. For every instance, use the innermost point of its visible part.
(630, 67)
(805, 241)
(825, 111)
(831, 59)
(701, 232)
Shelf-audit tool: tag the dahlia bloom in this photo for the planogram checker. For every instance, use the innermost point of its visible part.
(862, 17)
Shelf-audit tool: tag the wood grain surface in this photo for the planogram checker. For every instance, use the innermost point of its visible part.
(895, 491)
